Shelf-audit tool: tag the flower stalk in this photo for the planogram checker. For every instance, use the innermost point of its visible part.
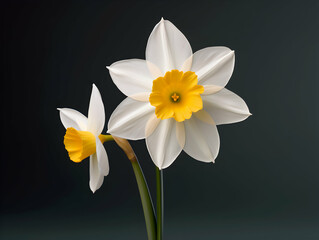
(159, 203)
(146, 200)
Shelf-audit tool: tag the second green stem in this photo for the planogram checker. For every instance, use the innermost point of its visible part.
(146, 201)
(159, 203)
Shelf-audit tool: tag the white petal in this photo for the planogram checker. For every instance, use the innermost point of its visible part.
(96, 118)
(204, 117)
(210, 89)
(180, 133)
(187, 64)
(102, 158)
(225, 107)
(163, 144)
(72, 118)
(129, 119)
(131, 76)
(202, 140)
(142, 97)
(213, 65)
(96, 178)
(167, 47)
(151, 125)
(154, 70)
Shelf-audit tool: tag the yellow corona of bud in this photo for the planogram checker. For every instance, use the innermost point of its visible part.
(79, 144)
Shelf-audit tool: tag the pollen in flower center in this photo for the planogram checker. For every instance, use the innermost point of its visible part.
(176, 95)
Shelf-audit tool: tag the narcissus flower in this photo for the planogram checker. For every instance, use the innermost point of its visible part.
(176, 98)
(83, 138)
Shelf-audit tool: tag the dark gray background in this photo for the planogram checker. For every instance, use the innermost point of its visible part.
(265, 183)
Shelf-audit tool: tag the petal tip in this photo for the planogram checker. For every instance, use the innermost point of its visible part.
(93, 190)
(108, 67)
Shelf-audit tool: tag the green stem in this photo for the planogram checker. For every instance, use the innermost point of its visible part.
(146, 199)
(159, 203)
(147, 204)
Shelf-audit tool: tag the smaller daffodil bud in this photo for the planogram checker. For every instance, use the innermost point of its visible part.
(83, 138)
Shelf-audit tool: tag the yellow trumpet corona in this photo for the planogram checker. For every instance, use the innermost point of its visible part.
(176, 95)
(81, 144)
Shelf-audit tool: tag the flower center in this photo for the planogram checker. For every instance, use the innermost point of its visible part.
(80, 144)
(176, 95)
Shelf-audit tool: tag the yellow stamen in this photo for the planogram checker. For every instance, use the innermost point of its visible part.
(176, 95)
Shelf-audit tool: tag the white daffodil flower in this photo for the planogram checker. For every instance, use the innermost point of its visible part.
(83, 138)
(176, 98)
